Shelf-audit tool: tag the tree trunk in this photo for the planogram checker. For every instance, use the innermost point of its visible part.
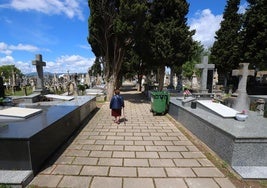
(161, 74)
(139, 82)
(110, 87)
(171, 86)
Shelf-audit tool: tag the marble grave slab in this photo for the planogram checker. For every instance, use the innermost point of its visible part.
(219, 108)
(19, 112)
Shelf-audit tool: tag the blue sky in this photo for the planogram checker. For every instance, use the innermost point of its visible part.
(58, 30)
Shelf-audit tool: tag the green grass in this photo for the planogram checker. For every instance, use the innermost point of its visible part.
(8, 92)
(5, 186)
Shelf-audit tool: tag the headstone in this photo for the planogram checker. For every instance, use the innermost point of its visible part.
(179, 86)
(71, 89)
(242, 101)
(261, 76)
(194, 84)
(13, 80)
(87, 79)
(215, 78)
(68, 76)
(204, 75)
(38, 62)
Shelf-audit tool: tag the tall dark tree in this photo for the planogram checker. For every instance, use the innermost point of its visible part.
(254, 34)
(111, 28)
(225, 53)
(170, 40)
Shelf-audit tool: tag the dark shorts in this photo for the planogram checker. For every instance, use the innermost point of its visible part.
(116, 112)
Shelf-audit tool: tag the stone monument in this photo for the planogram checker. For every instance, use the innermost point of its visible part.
(204, 75)
(242, 101)
(194, 82)
(38, 62)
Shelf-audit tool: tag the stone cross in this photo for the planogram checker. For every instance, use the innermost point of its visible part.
(204, 75)
(38, 62)
(242, 100)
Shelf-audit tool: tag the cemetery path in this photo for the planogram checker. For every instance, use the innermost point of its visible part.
(145, 151)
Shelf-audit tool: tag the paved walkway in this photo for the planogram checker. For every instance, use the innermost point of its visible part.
(148, 151)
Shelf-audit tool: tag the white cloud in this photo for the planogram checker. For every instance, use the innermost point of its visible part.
(71, 63)
(70, 8)
(24, 47)
(205, 24)
(7, 60)
(25, 67)
(4, 49)
(8, 49)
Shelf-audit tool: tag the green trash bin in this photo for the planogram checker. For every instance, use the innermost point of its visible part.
(160, 102)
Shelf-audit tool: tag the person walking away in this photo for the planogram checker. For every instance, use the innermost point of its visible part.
(116, 105)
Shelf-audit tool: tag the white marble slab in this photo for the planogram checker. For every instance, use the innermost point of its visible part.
(19, 112)
(252, 172)
(14, 176)
(219, 108)
(65, 98)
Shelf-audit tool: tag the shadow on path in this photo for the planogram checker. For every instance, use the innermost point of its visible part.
(132, 95)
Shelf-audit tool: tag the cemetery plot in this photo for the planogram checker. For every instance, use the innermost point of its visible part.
(60, 97)
(218, 108)
(19, 112)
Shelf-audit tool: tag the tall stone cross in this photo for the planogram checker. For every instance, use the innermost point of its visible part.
(205, 66)
(242, 100)
(38, 62)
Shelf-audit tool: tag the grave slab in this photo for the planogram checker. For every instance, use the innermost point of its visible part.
(255, 172)
(218, 108)
(241, 144)
(15, 177)
(25, 145)
(60, 97)
(19, 112)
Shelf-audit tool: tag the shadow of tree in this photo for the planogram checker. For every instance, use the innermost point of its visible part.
(131, 95)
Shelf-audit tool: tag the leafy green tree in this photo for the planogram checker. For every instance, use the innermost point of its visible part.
(96, 67)
(188, 68)
(6, 71)
(225, 53)
(170, 40)
(111, 30)
(254, 34)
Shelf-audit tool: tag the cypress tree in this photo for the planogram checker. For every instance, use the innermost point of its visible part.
(225, 53)
(254, 34)
(170, 40)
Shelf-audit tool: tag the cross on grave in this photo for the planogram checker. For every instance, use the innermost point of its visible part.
(242, 100)
(38, 62)
(205, 66)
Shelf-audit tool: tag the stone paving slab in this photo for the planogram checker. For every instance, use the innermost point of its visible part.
(147, 151)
